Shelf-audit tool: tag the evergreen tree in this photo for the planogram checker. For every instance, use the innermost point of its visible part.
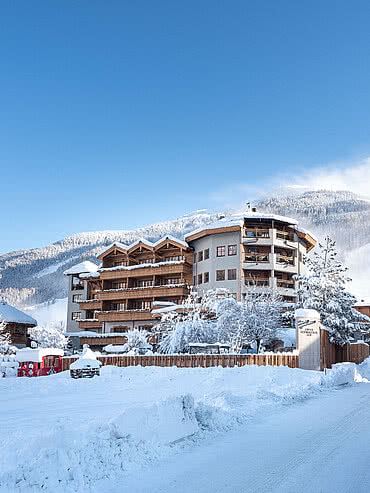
(323, 288)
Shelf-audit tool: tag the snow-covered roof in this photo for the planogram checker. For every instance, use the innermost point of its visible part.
(171, 238)
(114, 348)
(36, 355)
(145, 242)
(89, 275)
(238, 219)
(83, 267)
(11, 314)
(90, 333)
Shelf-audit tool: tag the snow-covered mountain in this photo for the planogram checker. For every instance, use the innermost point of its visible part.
(30, 277)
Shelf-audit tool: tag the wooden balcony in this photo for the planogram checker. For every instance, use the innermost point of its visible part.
(148, 292)
(103, 341)
(124, 316)
(161, 270)
(91, 305)
(86, 324)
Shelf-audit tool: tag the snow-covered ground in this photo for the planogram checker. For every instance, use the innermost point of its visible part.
(64, 435)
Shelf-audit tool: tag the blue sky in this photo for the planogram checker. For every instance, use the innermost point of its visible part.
(119, 114)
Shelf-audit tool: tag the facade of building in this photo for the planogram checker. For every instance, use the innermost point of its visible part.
(77, 291)
(237, 253)
(17, 324)
(119, 295)
(250, 250)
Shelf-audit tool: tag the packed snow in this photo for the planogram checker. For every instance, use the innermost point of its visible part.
(65, 435)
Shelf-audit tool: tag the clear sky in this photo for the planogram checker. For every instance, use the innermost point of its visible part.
(116, 114)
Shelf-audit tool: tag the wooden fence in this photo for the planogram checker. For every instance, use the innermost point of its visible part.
(333, 353)
(197, 360)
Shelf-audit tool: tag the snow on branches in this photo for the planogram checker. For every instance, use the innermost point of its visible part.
(323, 288)
(218, 317)
(137, 342)
(50, 337)
(5, 340)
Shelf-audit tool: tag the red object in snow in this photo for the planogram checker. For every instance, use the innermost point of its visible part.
(39, 362)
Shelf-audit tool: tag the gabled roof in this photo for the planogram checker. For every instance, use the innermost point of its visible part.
(144, 242)
(172, 239)
(11, 314)
(83, 267)
(141, 242)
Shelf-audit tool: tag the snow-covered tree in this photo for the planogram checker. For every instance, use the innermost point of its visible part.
(255, 320)
(193, 323)
(137, 342)
(323, 288)
(5, 339)
(51, 337)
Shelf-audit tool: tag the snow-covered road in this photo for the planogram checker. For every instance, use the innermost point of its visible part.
(319, 445)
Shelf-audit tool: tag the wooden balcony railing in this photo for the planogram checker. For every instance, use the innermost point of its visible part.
(124, 316)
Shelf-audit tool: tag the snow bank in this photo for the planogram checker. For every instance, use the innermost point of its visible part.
(8, 366)
(161, 423)
(76, 433)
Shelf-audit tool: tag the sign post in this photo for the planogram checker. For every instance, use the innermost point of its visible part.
(308, 339)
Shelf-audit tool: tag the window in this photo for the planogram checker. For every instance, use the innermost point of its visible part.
(232, 250)
(206, 277)
(206, 254)
(231, 274)
(200, 256)
(220, 251)
(194, 281)
(118, 307)
(76, 298)
(76, 315)
(200, 278)
(77, 284)
(220, 275)
(119, 285)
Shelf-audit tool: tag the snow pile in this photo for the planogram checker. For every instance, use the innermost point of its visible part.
(8, 366)
(78, 433)
(86, 360)
(161, 423)
(341, 374)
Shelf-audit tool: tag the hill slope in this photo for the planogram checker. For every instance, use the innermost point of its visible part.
(35, 276)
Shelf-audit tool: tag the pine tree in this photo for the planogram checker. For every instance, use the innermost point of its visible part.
(323, 288)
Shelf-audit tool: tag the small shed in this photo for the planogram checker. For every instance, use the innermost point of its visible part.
(86, 366)
(17, 324)
(39, 362)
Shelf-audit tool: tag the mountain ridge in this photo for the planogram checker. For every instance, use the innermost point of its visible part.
(28, 277)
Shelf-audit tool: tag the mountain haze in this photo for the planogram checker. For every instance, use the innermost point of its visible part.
(30, 277)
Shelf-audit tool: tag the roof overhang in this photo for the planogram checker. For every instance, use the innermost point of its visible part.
(211, 231)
